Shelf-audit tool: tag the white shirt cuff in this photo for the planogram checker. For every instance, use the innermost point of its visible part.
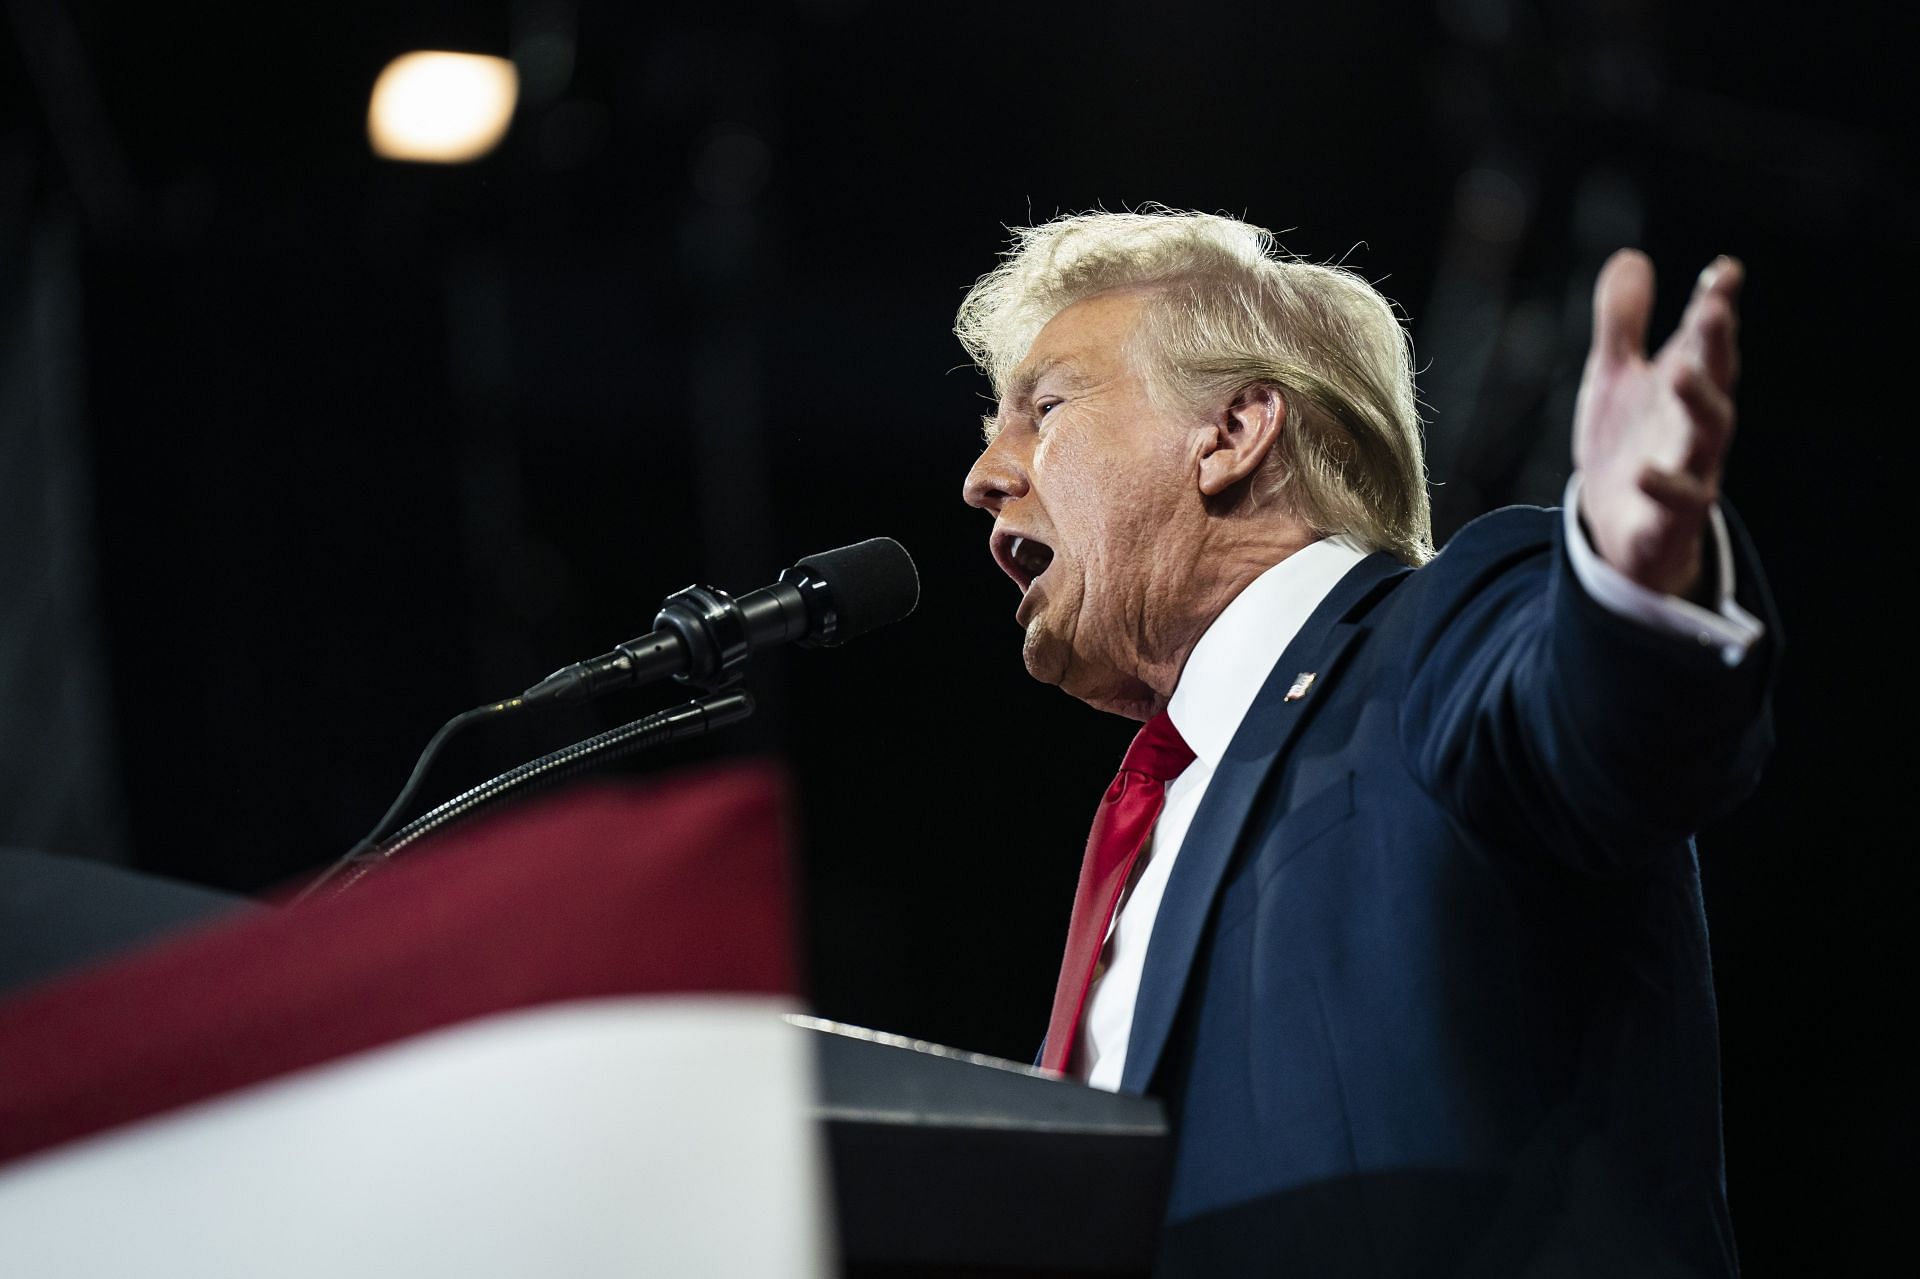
(1727, 627)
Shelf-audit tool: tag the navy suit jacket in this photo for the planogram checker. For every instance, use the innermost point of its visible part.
(1429, 990)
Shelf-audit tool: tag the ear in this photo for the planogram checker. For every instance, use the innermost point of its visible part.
(1241, 435)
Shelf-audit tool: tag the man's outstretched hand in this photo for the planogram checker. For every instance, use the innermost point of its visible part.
(1650, 435)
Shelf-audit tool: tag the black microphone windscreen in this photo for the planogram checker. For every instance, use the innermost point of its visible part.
(872, 583)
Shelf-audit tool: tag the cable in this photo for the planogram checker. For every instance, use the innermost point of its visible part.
(434, 746)
(690, 720)
(673, 724)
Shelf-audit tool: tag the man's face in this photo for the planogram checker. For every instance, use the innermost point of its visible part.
(1092, 488)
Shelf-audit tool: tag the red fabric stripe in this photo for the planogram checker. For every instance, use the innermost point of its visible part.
(599, 891)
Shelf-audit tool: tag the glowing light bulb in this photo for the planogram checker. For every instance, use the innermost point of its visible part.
(441, 108)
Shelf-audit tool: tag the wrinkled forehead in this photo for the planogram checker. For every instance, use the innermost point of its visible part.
(1087, 340)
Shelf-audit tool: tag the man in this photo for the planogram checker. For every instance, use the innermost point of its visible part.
(1394, 901)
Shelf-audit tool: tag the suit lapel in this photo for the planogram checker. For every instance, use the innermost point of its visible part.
(1260, 743)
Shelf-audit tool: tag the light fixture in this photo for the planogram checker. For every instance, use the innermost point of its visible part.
(441, 108)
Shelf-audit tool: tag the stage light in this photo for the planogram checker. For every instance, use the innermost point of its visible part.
(441, 108)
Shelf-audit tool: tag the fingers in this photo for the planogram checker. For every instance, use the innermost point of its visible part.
(1622, 303)
(1679, 492)
(1722, 278)
(1670, 551)
(1709, 332)
(1712, 415)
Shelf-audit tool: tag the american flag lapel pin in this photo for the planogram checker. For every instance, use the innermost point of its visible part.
(1301, 683)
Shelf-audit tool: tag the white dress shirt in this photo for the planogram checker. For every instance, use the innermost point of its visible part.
(1225, 672)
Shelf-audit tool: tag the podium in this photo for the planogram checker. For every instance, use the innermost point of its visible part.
(947, 1162)
(566, 1041)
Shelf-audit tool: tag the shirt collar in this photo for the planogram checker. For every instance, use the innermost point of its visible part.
(1224, 672)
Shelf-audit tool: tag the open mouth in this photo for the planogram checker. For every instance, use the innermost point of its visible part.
(1023, 558)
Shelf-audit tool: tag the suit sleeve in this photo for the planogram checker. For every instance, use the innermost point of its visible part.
(1543, 721)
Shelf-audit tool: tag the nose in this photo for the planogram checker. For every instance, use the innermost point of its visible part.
(997, 475)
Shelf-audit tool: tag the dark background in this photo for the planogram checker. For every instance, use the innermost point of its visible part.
(302, 451)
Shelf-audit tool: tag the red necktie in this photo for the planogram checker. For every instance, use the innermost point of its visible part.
(1127, 813)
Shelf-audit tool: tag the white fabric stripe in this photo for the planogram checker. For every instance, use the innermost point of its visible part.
(644, 1135)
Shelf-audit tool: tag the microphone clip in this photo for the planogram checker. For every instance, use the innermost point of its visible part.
(714, 631)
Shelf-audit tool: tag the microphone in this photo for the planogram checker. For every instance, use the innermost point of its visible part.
(702, 635)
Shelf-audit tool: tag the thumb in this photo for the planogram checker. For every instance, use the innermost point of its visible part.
(1622, 305)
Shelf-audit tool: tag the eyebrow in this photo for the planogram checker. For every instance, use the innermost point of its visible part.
(1018, 393)
(1020, 389)
(1063, 368)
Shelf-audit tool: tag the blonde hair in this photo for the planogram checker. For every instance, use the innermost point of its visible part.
(1227, 311)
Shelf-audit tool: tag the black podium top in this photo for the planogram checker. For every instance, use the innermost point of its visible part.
(948, 1162)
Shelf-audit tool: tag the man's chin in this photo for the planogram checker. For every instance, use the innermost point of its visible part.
(1046, 655)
